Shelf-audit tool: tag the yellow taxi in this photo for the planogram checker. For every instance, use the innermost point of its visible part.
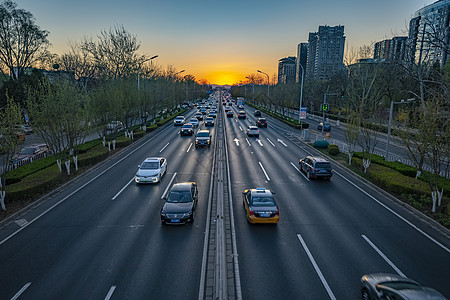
(260, 206)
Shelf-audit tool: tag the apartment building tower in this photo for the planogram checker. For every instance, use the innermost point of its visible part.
(287, 69)
(392, 49)
(302, 56)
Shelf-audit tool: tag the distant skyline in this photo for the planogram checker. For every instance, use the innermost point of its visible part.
(221, 42)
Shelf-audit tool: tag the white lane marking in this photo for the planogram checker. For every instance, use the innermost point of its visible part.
(271, 142)
(164, 148)
(259, 142)
(17, 295)
(396, 214)
(383, 256)
(81, 187)
(21, 222)
(189, 147)
(265, 173)
(111, 291)
(236, 140)
(298, 170)
(117, 195)
(241, 128)
(248, 142)
(282, 143)
(316, 267)
(168, 186)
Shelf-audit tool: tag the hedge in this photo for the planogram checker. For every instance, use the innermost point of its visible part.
(16, 175)
(402, 168)
(94, 156)
(333, 149)
(321, 144)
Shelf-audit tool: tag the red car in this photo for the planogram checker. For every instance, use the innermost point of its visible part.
(31, 153)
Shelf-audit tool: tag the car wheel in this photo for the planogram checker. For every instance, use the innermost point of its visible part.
(308, 174)
(365, 295)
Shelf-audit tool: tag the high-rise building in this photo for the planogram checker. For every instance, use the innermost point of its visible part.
(325, 52)
(429, 33)
(392, 49)
(302, 56)
(287, 69)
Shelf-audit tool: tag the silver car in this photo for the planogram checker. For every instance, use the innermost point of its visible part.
(151, 170)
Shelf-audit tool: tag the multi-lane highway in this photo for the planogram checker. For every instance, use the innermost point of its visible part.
(100, 237)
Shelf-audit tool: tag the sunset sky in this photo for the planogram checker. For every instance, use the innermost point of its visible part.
(222, 41)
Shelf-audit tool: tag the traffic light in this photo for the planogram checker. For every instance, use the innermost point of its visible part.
(325, 107)
(342, 95)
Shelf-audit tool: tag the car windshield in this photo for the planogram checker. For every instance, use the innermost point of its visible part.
(203, 134)
(179, 197)
(26, 151)
(149, 165)
(193, 121)
(179, 118)
(402, 285)
(262, 120)
(187, 126)
(323, 165)
(263, 201)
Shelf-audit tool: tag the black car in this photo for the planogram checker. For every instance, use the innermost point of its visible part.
(209, 121)
(261, 122)
(203, 138)
(180, 204)
(187, 129)
(257, 113)
(316, 167)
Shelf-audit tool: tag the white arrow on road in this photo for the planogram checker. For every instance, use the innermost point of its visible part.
(259, 142)
(282, 143)
(236, 141)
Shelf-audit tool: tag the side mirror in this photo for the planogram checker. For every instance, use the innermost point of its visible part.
(139, 166)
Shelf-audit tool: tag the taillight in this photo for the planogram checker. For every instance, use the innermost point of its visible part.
(252, 212)
(277, 213)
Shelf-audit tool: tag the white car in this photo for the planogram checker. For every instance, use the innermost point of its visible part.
(179, 120)
(151, 170)
(194, 122)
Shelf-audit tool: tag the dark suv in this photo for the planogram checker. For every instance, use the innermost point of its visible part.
(203, 138)
(180, 204)
(315, 167)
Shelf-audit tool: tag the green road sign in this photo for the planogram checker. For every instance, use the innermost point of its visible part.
(325, 107)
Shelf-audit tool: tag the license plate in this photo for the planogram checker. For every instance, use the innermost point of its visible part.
(264, 215)
(175, 220)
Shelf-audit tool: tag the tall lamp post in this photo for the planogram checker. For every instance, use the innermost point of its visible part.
(139, 67)
(268, 94)
(390, 123)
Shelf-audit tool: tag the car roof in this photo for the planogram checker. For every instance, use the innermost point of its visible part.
(182, 186)
(203, 130)
(252, 127)
(179, 117)
(148, 159)
(317, 158)
(261, 192)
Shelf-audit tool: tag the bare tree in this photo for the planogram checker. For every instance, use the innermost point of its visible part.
(21, 40)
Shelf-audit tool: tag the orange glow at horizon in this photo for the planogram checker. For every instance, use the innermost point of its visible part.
(224, 77)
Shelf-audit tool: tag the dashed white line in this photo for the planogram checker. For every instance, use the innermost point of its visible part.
(17, 295)
(241, 128)
(21, 222)
(271, 142)
(168, 186)
(117, 195)
(260, 142)
(384, 256)
(265, 173)
(396, 214)
(316, 267)
(189, 147)
(248, 142)
(164, 148)
(111, 291)
(299, 171)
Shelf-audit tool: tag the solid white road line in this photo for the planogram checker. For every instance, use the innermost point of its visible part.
(271, 142)
(384, 256)
(241, 128)
(114, 198)
(17, 295)
(111, 291)
(260, 164)
(248, 142)
(316, 267)
(396, 214)
(189, 147)
(299, 171)
(259, 142)
(168, 186)
(164, 148)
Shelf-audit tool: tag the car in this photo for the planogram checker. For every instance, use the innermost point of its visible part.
(326, 126)
(209, 121)
(253, 131)
(187, 129)
(260, 206)
(229, 114)
(27, 129)
(180, 204)
(114, 126)
(194, 122)
(392, 286)
(240, 106)
(151, 170)
(261, 122)
(31, 153)
(242, 115)
(203, 111)
(315, 167)
(179, 120)
(257, 113)
(199, 116)
(212, 114)
(227, 109)
(203, 138)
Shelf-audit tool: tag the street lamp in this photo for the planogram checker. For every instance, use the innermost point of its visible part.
(139, 67)
(268, 95)
(390, 122)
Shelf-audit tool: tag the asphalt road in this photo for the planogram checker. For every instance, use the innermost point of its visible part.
(100, 237)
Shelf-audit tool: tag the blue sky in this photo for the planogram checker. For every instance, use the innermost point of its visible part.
(222, 41)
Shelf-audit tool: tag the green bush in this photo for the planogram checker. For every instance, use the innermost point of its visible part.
(17, 174)
(88, 145)
(93, 156)
(321, 144)
(152, 127)
(333, 149)
(402, 168)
